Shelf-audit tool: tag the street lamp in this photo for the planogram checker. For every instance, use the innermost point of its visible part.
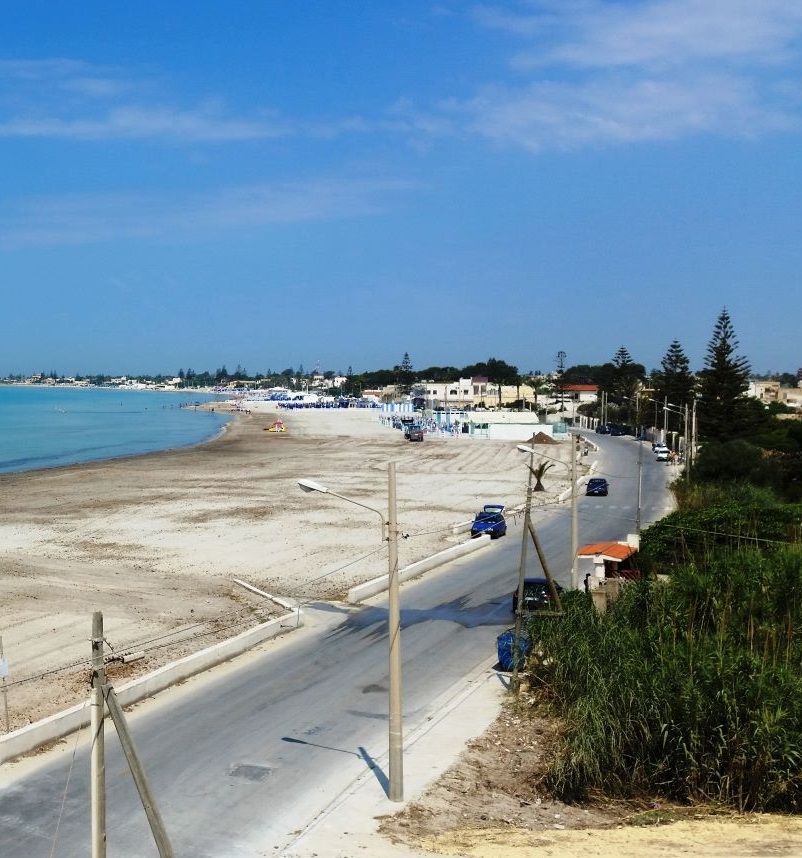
(395, 756)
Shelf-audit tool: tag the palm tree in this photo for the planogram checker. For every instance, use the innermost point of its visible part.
(538, 473)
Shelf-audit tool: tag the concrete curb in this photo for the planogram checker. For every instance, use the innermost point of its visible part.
(61, 724)
(377, 585)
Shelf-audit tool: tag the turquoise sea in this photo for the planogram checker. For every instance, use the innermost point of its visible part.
(43, 427)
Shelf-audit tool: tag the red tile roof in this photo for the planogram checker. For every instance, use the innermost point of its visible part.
(611, 550)
(579, 388)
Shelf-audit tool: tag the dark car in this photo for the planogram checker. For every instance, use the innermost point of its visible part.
(537, 595)
(490, 520)
(597, 487)
(415, 434)
(602, 429)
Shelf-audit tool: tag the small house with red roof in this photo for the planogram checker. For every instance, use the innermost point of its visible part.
(603, 561)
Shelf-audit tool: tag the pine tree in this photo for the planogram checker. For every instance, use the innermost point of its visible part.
(405, 375)
(724, 410)
(627, 376)
(675, 384)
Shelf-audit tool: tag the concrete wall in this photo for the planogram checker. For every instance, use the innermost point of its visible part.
(377, 585)
(61, 724)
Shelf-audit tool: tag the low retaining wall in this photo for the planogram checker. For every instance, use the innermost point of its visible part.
(377, 585)
(63, 723)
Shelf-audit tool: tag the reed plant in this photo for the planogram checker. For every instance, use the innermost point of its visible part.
(690, 689)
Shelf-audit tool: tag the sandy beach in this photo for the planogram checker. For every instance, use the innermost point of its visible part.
(154, 542)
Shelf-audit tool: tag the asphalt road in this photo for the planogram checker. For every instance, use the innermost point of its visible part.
(243, 759)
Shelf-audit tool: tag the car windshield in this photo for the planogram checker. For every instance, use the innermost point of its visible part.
(535, 590)
(487, 516)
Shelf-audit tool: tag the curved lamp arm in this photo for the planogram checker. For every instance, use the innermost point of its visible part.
(314, 486)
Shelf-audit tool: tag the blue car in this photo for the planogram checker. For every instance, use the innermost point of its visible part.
(490, 520)
(597, 487)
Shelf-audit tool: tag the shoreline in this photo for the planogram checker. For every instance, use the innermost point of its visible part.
(93, 430)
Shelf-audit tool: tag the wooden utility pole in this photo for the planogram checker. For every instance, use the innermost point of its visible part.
(145, 795)
(516, 640)
(3, 674)
(102, 696)
(529, 528)
(555, 593)
(98, 756)
(574, 516)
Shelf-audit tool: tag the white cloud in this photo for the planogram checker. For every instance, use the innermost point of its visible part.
(601, 72)
(135, 122)
(91, 218)
(48, 81)
(563, 115)
(668, 33)
(73, 100)
(578, 72)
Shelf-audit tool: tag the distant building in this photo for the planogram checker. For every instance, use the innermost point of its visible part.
(464, 393)
(773, 391)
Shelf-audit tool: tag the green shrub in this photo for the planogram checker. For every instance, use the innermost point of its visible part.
(690, 689)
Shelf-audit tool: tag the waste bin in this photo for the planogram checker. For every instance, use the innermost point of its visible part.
(506, 649)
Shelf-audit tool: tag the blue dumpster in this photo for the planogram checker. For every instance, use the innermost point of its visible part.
(506, 649)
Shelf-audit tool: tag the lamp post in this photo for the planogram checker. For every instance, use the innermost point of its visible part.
(389, 532)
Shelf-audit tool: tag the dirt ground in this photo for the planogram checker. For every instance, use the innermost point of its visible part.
(489, 805)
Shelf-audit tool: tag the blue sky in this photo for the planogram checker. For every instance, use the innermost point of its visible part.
(336, 183)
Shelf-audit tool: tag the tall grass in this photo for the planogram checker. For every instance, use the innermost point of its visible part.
(691, 689)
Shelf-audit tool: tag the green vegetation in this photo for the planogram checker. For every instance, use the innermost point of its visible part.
(690, 685)
(689, 689)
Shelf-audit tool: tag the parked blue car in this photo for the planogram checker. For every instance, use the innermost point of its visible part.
(490, 520)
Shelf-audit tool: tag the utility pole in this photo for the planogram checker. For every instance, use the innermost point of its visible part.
(396, 756)
(685, 450)
(98, 755)
(528, 527)
(574, 517)
(103, 695)
(143, 788)
(516, 654)
(4, 674)
(640, 475)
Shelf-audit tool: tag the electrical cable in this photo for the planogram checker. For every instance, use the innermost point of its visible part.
(64, 793)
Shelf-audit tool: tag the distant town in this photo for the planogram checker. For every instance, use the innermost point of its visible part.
(492, 384)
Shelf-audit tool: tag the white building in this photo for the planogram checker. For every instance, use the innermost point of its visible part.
(464, 393)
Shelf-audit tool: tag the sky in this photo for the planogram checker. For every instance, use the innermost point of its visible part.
(333, 184)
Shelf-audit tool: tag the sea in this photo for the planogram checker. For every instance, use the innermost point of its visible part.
(46, 427)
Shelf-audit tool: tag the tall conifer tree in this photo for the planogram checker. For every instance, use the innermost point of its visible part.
(724, 410)
(675, 384)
